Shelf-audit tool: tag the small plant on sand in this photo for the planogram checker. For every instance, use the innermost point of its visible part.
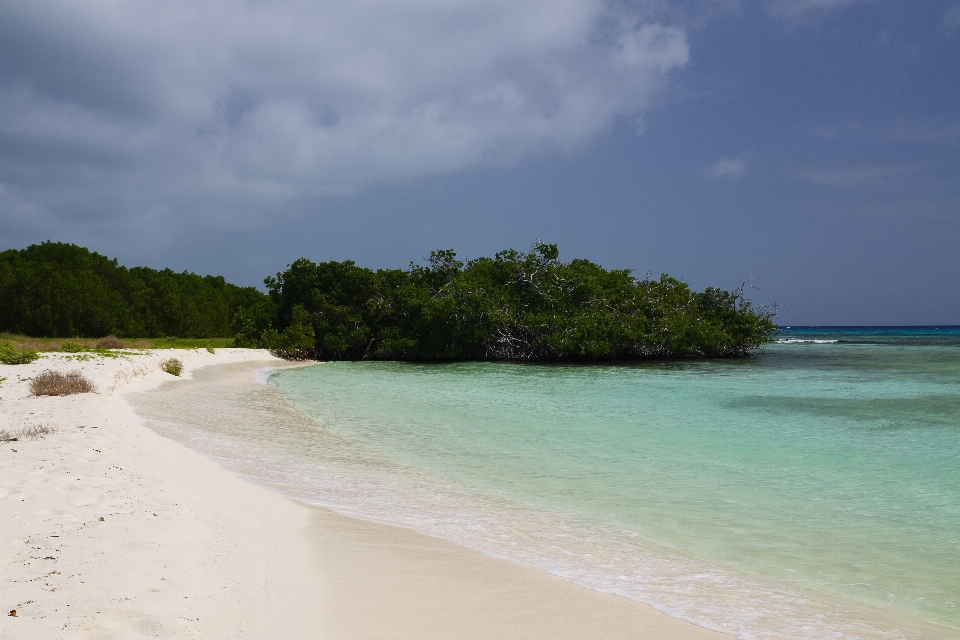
(211, 350)
(110, 342)
(172, 366)
(54, 383)
(33, 432)
(71, 347)
(9, 354)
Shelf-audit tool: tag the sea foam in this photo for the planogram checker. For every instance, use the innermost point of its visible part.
(262, 376)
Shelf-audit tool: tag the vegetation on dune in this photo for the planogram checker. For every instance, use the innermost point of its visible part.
(54, 383)
(62, 290)
(172, 366)
(514, 306)
(31, 432)
(10, 354)
(109, 342)
(107, 345)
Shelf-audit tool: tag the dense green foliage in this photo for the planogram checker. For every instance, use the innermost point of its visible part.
(62, 290)
(515, 306)
(9, 354)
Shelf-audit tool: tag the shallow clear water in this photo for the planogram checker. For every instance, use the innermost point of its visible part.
(813, 491)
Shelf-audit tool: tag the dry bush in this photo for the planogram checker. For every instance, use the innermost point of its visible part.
(110, 342)
(33, 432)
(54, 383)
(172, 366)
(23, 342)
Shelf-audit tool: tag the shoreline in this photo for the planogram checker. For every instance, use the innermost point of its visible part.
(225, 558)
(184, 549)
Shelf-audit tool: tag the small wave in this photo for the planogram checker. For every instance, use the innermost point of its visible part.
(799, 341)
(262, 376)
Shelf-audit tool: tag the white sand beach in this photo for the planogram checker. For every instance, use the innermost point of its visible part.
(109, 530)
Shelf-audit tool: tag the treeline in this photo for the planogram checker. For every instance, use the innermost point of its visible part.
(62, 290)
(514, 306)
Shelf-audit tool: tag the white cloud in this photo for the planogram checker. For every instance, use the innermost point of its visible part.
(731, 168)
(241, 106)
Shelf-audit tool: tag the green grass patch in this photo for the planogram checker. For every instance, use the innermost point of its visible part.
(72, 347)
(109, 347)
(187, 343)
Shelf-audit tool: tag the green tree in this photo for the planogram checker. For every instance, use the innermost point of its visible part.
(514, 306)
(61, 290)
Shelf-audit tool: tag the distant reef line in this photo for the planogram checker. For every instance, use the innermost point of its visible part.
(516, 306)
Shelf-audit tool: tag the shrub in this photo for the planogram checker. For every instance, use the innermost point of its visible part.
(54, 383)
(9, 354)
(110, 342)
(293, 344)
(172, 366)
(71, 347)
(34, 432)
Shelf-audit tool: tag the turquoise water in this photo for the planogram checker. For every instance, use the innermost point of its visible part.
(813, 491)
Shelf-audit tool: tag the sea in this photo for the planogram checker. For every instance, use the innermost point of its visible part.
(810, 491)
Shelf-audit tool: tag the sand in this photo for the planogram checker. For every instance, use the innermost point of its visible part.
(108, 530)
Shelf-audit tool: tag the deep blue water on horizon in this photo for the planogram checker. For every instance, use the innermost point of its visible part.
(906, 335)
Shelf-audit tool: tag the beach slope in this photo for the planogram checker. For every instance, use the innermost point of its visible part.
(109, 530)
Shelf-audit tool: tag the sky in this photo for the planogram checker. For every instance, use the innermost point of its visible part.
(810, 146)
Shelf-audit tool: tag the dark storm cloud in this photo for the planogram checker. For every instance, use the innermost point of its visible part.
(228, 112)
(811, 143)
(51, 50)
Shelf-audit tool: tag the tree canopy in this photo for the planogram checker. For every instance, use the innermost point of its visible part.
(515, 306)
(62, 290)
